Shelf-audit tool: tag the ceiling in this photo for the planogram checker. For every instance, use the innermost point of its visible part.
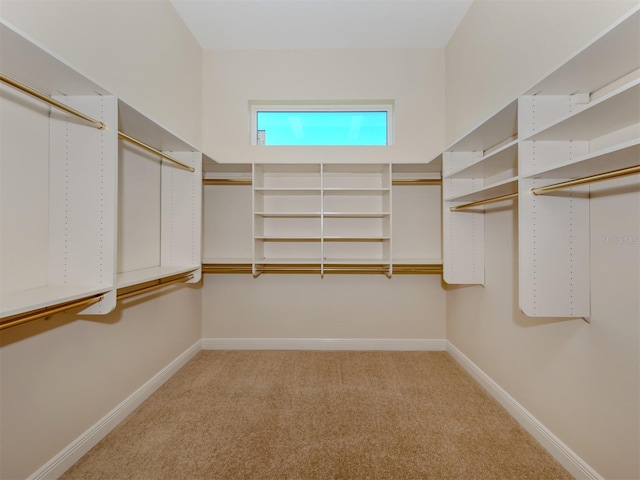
(320, 24)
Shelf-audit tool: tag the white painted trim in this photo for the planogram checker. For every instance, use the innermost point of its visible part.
(397, 344)
(59, 464)
(561, 452)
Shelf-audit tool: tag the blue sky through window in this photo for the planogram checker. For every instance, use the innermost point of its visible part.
(323, 128)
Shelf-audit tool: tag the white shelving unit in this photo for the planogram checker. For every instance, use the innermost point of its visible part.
(168, 241)
(581, 120)
(321, 218)
(228, 214)
(356, 214)
(416, 216)
(287, 214)
(58, 185)
(82, 205)
(480, 165)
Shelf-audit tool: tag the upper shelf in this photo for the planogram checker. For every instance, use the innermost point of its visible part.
(614, 111)
(26, 61)
(493, 131)
(598, 62)
(492, 163)
(620, 156)
(139, 126)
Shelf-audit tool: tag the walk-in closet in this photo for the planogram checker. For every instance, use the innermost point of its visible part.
(156, 232)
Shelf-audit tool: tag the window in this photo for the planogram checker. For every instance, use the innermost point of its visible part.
(318, 125)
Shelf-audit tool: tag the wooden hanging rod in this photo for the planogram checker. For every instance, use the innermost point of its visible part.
(48, 311)
(227, 181)
(585, 180)
(247, 181)
(54, 103)
(96, 123)
(315, 268)
(160, 284)
(227, 268)
(416, 181)
(146, 147)
(484, 202)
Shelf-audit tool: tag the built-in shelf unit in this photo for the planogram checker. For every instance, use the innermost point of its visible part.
(578, 125)
(320, 218)
(70, 192)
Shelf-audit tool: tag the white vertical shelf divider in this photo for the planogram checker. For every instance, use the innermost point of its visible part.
(82, 198)
(462, 246)
(180, 237)
(322, 226)
(553, 230)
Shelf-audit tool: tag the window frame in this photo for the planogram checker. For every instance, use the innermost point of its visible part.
(377, 106)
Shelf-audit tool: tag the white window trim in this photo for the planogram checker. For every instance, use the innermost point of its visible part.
(315, 107)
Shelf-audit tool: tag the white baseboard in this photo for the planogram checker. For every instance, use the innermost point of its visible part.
(85, 442)
(561, 452)
(397, 344)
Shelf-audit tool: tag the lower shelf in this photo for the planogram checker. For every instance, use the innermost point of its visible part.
(15, 303)
(135, 277)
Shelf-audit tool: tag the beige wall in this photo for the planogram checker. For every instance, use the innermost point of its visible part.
(336, 307)
(503, 47)
(340, 306)
(580, 380)
(139, 50)
(60, 376)
(413, 78)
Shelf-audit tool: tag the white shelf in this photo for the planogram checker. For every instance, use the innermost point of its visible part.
(355, 191)
(356, 214)
(488, 134)
(29, 63)
(288, 214)
(287, 239)
(504, 187)
(623, 155)
(141, 127)
(136, 277)
(614, 111)
(287, 191)
(288, 261)
(417, 261)
(329, 261)
(355, 239)
(227, 260)
(609, 56)
(15, 303)
(493, 163)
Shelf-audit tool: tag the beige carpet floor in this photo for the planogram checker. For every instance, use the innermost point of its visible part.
(319, 415)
